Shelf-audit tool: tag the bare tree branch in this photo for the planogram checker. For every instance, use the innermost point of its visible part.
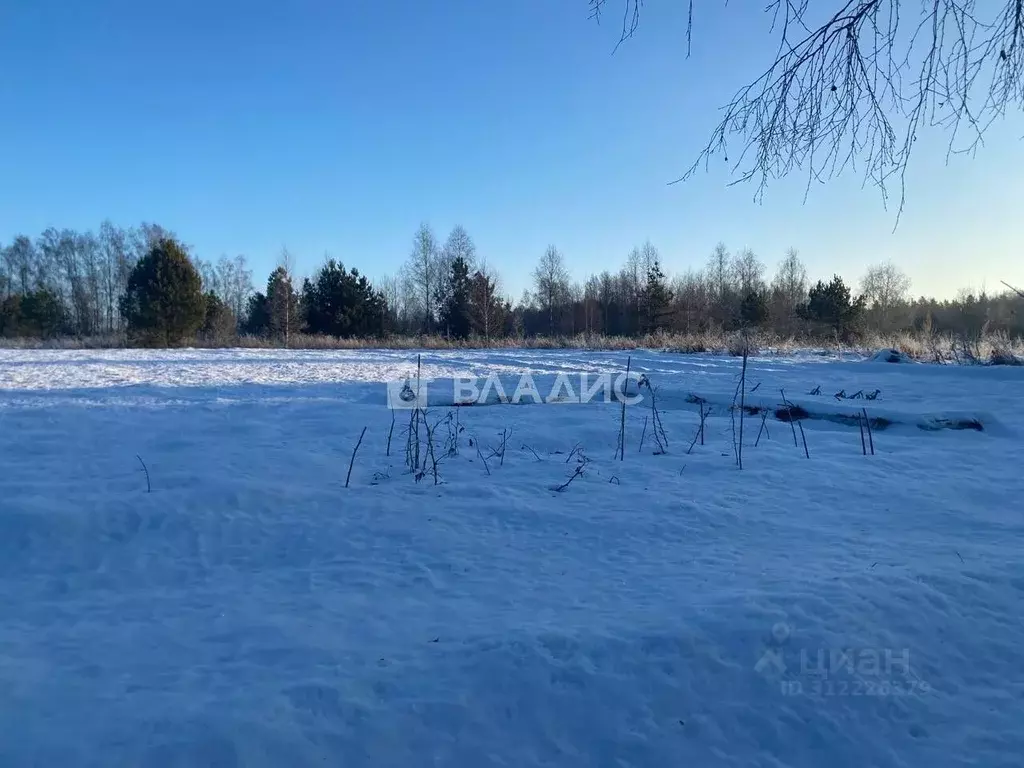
(1018, 291)
(852, 90)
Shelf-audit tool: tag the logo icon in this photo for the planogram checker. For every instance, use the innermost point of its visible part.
(407, 394)
(772, 662)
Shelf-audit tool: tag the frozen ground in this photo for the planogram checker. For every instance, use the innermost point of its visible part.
(842, 610)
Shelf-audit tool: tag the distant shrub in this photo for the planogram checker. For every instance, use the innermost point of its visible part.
(37, 314)
(754, 309)
(1004, 357)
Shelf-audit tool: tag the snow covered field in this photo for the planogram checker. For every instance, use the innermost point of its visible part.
(663, 610)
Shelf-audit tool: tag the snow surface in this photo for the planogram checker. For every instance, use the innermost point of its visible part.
(842, 610)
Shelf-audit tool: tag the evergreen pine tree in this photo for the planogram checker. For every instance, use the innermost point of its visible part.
(163, 303)
(832, 304)
(656, 298)
(342, 303)
(220, 325)
(488, 313)
(257, 316)
(455, 309)
(282, 305)
(754, 309)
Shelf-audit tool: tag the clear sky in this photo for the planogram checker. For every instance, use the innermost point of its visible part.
(338, 126)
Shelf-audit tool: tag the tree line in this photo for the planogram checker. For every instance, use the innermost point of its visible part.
(143, 285)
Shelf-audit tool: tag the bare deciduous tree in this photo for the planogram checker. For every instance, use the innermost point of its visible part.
(117, 264)
(789, 289)
(422, 273)
(21, 258)
(692, 300)
(790, 279)
(719, 272)
(748, 271)
(551, 284)
(722, 285)
(235, 281)
(147, 235)
(458, 245)
(884, 286)
(390, 288)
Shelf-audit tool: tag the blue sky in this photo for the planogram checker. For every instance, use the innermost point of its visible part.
(337, 127)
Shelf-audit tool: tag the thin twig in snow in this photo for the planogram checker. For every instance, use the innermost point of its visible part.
(576, 448)
(743, 402)
(478, 453)
(412, 440)
(789, 411)
(764, 428)
(732, 420)
(659, 428)
(622, 420)
(505, 435)
(700, 429)
(803, 437)
(430, 448)
(524, 446)
(149, 488)
(353, 459)
(577, 473)
(871, 439)
(799, 424)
